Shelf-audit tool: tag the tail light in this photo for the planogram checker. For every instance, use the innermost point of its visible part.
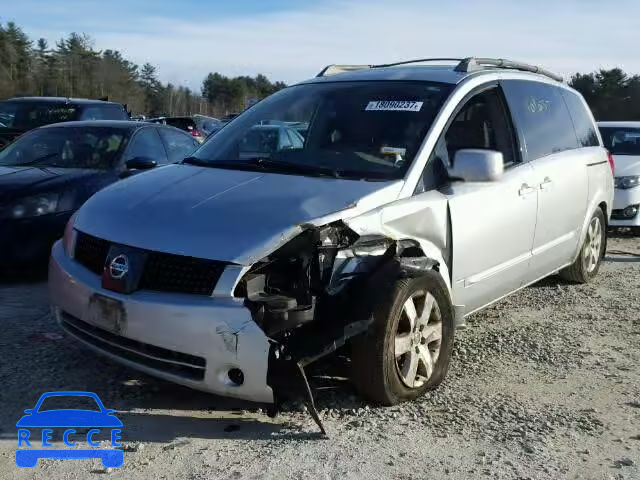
(612, 164)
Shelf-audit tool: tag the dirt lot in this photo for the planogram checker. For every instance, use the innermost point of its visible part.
(545, 384)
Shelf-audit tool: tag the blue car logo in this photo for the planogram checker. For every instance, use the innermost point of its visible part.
(65, 418)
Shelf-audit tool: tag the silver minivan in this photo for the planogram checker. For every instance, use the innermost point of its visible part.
(398, 200)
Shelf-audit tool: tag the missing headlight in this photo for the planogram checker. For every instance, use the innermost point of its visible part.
(282, 289)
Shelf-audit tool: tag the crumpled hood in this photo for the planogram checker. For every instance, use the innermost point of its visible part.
(226, 215)
(627, 165)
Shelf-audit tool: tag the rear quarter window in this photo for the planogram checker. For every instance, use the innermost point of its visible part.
(582, 120)
(541, 115)
(104, 112)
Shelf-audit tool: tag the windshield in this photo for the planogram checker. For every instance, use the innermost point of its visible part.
(66, 147)
(30, 115)
(363, 130)
(621, 141)
(65, 402)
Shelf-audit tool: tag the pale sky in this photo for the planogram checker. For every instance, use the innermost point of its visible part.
(292, 40)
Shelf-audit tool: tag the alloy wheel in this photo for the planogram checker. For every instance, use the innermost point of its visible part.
(418, 339)
(591, 251)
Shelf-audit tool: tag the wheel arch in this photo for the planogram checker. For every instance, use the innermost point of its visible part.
(605, 210)
(597, 203)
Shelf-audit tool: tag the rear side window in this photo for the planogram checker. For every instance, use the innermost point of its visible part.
(147, 144)
(582, 122)
(541, 115)
(179, 145)
(104, 112)
(28, 115)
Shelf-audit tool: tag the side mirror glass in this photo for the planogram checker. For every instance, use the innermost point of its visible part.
(140, 163)
(475, 165)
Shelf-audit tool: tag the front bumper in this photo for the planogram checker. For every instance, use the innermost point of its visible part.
(622, 200)
(187, 339)
(28, 241)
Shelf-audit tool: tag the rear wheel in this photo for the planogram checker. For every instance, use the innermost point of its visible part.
(408, 348)
(586, 266)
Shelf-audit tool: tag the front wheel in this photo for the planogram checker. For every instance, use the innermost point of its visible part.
(408, 347)
(586, 266)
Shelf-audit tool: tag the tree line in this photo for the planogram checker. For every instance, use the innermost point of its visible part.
(74, 68)
(611, 94)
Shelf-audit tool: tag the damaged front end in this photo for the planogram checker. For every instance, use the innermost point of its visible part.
(318, 291)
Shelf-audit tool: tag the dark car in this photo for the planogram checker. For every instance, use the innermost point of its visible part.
(48, 173)
(199, 126)
(19, 115)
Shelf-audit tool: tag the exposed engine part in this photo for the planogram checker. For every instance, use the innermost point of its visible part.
(283, 289)
(318, 291)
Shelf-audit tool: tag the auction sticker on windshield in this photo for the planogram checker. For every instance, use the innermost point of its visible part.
(394, 106)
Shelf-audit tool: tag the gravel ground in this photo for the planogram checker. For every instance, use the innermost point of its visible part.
(544, 384)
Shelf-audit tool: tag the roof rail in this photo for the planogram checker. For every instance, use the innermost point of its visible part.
(470, 64)
(335, 69)
(418, 60)
(473, 64)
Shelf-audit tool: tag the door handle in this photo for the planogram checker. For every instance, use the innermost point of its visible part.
(546, 182)
(526, 189)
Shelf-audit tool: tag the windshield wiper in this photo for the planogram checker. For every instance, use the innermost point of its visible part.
(226, 164)
(289, 167)
(194, 161)
(269, 165)
(38, 160)
(263, 164)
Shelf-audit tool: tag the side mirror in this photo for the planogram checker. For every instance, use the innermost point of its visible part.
(475, 165)
(140, 163)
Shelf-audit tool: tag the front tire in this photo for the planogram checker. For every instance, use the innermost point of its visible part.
(586, 266)
(408, 347)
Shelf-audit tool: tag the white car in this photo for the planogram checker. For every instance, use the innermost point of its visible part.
(421, 194)
(623, 141)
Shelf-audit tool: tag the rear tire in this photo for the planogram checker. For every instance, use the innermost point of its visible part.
(406, 352)
(586, 266)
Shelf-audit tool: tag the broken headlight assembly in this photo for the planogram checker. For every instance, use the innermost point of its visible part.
(284, 290)
(317, 292)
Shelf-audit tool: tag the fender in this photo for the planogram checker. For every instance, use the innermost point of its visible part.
(599, 201)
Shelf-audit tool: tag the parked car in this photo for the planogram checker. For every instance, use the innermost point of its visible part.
(623, 141)
(267, 140)
(46, 174)
(21, 114)
(199, 126)
(228, 117)
(421, 194)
